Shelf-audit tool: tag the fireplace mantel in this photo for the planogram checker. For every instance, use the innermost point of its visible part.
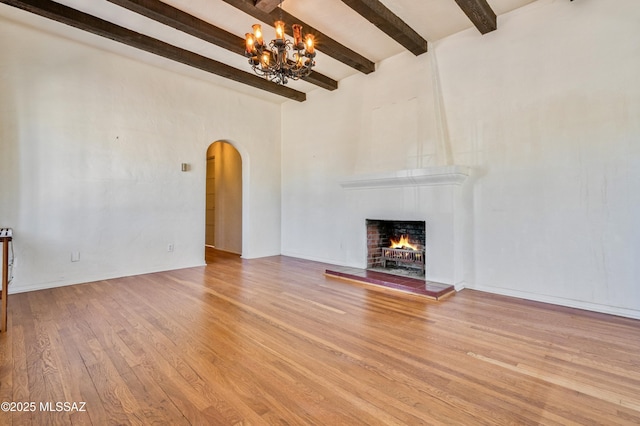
(428, 176)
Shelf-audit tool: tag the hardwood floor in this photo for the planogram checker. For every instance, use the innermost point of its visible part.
(274, 341)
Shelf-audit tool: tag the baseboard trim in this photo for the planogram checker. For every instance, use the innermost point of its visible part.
(87, 280)
(460, 286)
(561, 301)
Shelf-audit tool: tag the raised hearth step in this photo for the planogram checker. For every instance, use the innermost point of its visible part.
(436, 291)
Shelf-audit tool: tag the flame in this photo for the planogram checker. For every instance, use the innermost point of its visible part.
(403, 243)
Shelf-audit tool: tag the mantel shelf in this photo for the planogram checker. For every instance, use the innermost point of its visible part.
(428, 176)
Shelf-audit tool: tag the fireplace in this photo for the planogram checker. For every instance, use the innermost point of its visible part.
(443, 195)
(396, 246)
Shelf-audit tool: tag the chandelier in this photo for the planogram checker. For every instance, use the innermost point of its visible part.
(282, 59)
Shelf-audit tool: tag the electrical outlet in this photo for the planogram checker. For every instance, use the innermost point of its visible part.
(75, 256)
(170, 247)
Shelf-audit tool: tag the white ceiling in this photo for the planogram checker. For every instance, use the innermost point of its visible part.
(432, 19)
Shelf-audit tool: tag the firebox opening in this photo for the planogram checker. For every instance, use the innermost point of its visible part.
(396, 246)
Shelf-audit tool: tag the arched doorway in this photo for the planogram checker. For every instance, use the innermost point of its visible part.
(223, 227)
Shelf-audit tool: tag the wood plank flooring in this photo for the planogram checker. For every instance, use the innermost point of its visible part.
(274, 341)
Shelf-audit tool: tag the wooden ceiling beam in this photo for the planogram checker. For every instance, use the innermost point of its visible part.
(324, 43)
(383, 18)
(480, 13)
(100, 27)
(267, 5)
(182, 21)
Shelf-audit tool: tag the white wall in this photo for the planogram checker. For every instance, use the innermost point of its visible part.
(546, 111)
(377, 123)
(91, 148)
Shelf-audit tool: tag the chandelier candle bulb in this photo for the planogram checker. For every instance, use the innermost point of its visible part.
(309, 45)
(257, 34)
(279, 30)
(249, 43)
(297, 36)
(266, 58)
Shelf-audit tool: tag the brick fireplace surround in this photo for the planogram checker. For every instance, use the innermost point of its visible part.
(380, 233)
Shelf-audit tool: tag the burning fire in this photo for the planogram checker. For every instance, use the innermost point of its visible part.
(403, 243)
